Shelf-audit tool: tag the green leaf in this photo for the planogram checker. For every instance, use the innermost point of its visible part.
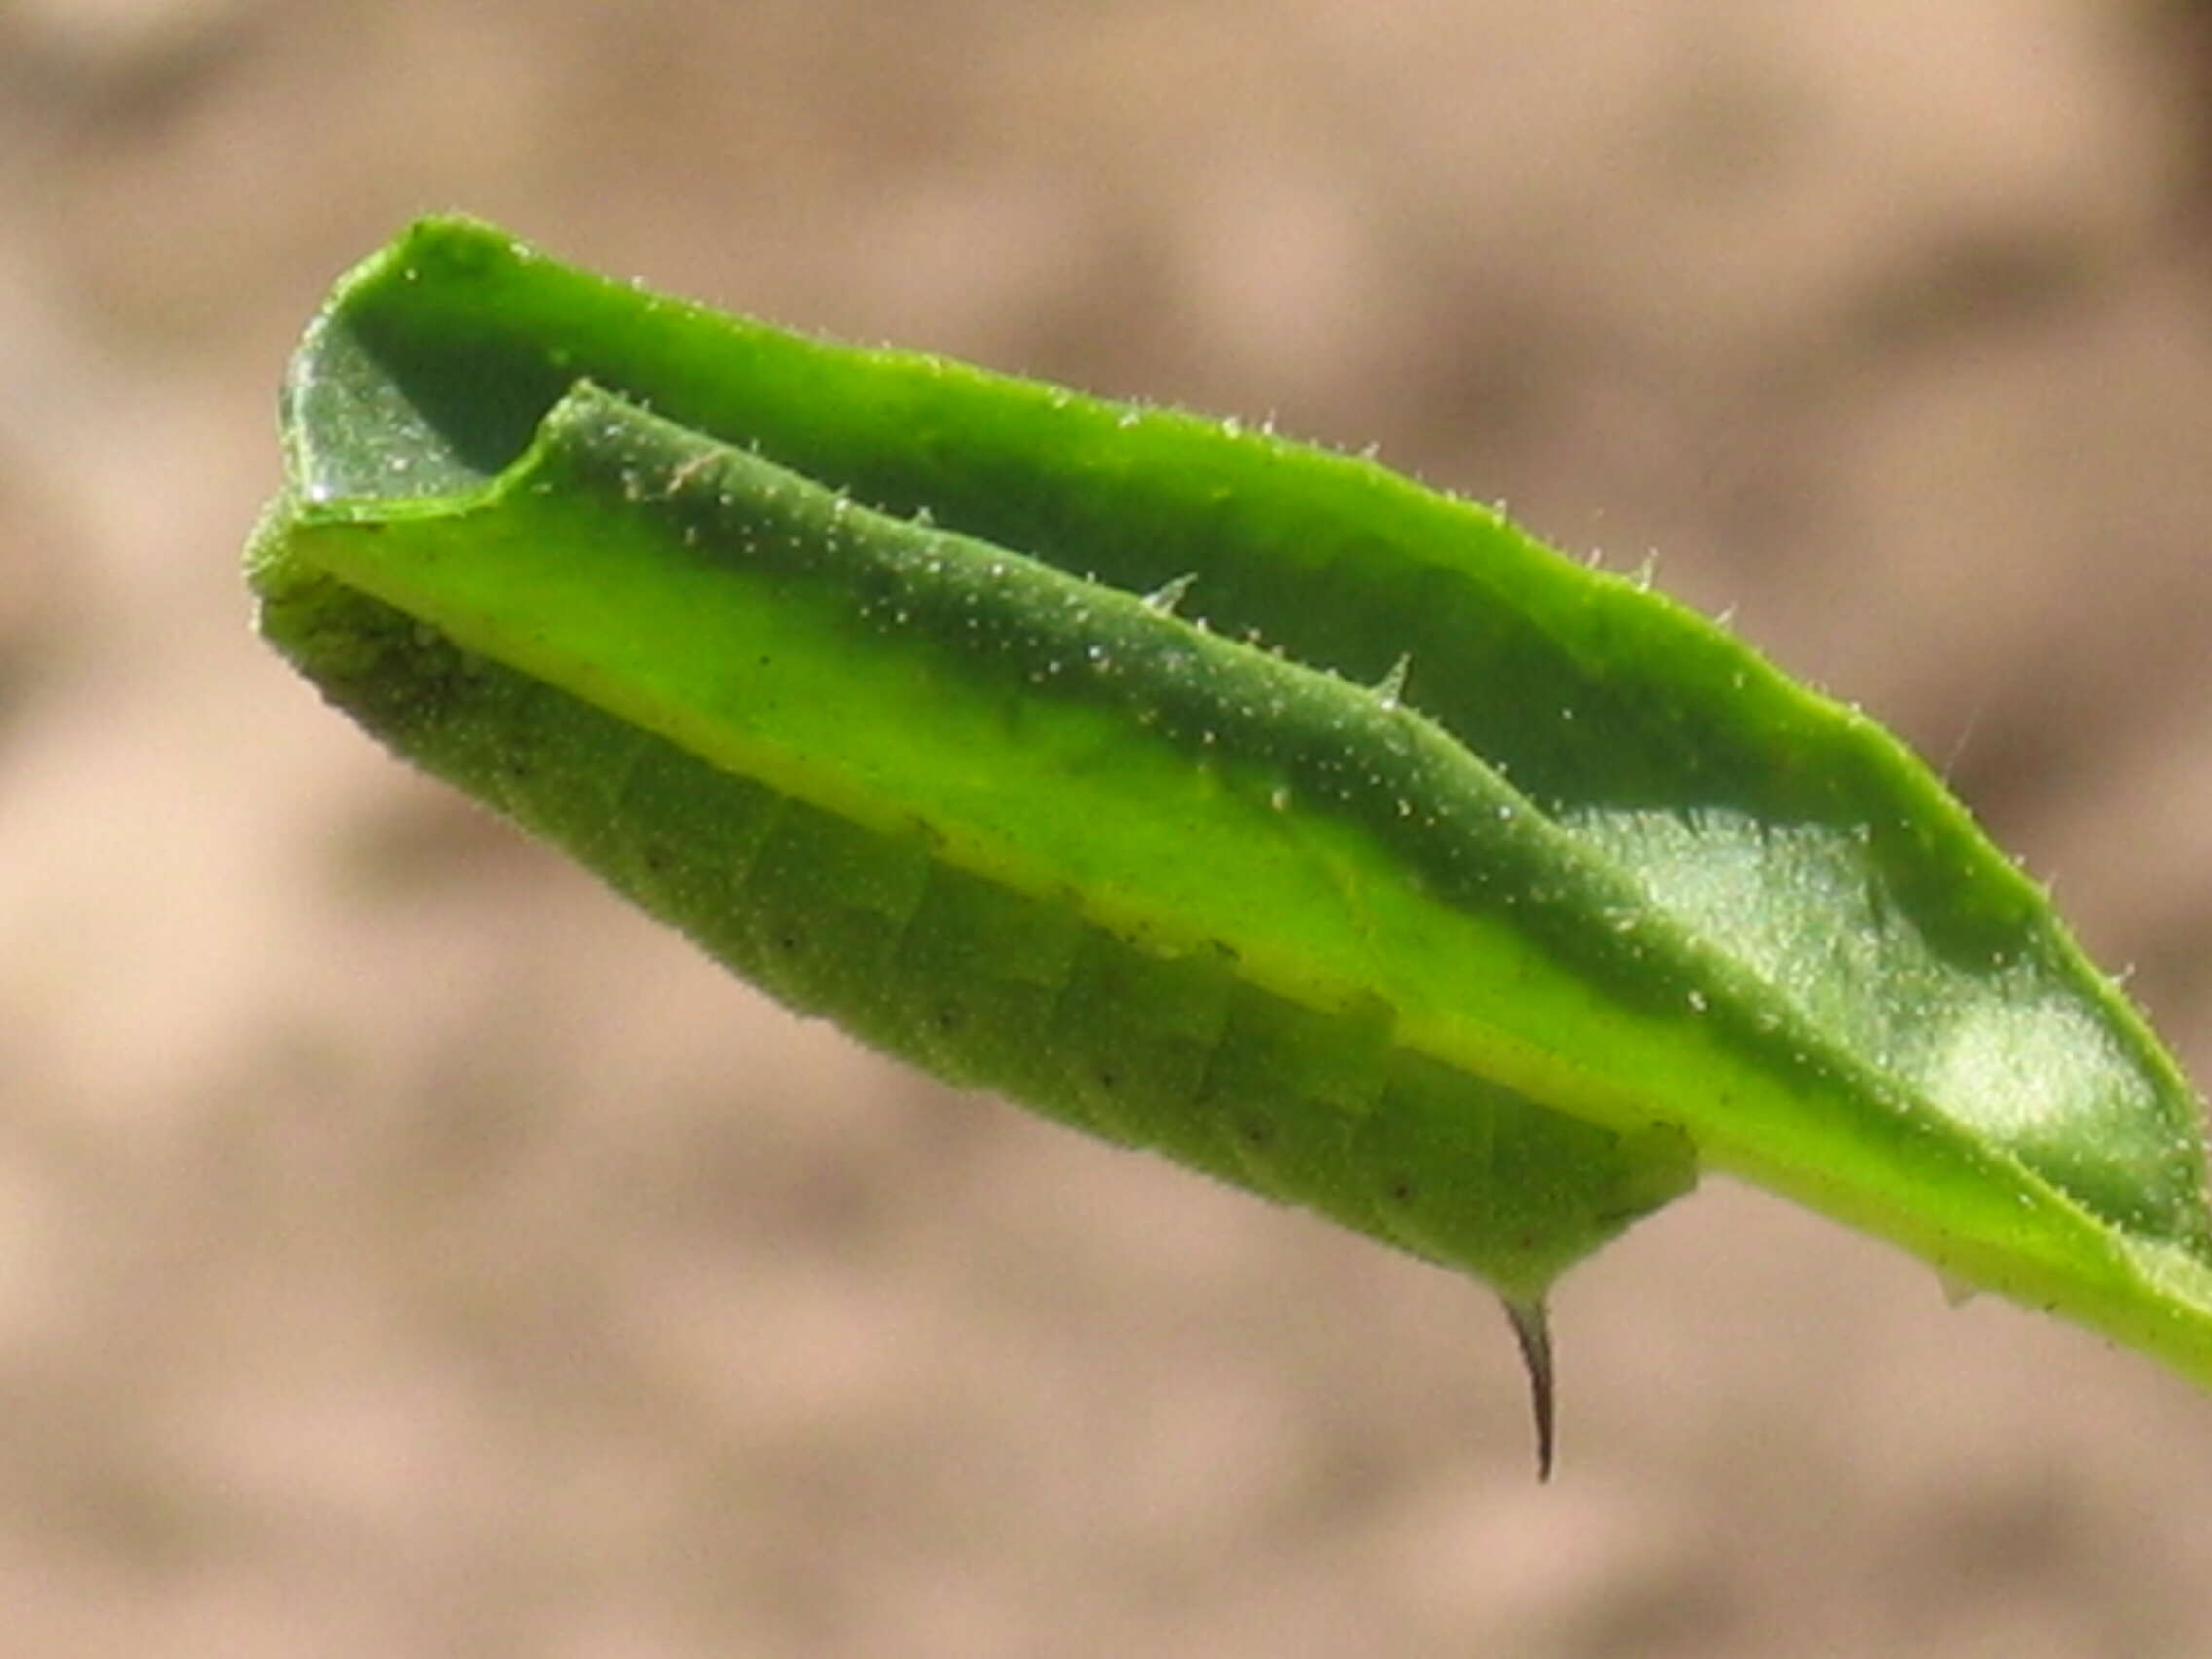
(1208, 792)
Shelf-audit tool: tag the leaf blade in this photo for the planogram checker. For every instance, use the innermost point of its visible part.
(1829, 978)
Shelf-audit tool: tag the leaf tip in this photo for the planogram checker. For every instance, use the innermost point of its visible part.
(1530, 1318)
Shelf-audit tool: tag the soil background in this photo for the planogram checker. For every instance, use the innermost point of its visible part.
(406, 1250)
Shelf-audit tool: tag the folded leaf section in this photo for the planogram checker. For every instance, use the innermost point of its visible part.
(1795, 840)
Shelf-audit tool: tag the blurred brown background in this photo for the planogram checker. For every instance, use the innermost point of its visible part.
(405, 1250)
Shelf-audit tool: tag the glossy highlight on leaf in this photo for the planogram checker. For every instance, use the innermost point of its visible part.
(1208, 792)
